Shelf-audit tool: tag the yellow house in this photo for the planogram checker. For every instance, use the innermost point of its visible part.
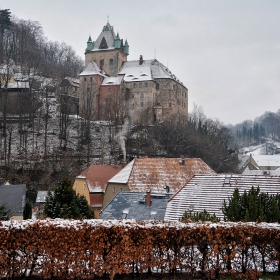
(92, 183)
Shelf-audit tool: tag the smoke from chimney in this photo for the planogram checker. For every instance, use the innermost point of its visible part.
(121, 137)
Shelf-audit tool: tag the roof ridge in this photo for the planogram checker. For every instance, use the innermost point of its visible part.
(181, 188)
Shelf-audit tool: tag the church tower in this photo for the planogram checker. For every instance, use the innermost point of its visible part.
(108, 51)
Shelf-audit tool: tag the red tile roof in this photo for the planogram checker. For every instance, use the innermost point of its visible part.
(97, 176)
(155, 173)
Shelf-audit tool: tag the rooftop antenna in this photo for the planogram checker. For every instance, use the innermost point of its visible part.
(108, 18)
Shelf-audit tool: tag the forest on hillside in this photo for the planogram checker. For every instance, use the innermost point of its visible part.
(263, 128)
(40, 143)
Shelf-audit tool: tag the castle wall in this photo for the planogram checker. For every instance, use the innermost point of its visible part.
(140, 99)
(160, 100)
(89, 96)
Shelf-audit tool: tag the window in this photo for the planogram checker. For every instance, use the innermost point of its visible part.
(106, 100)
(157, 86)
(91, 78)
(85, 78)
(185, 95)
(142, 95)
(140, 85)
(146, 84)
(178, 101)
(76, 185)
(114, 189)
(142, 104)
(120, 189)
(109, 89)
(84, 187)
(111, 61)
(88, 89)
(135, 85)
(132, 95)
(170, 104)
(173, 87)
(182, 104)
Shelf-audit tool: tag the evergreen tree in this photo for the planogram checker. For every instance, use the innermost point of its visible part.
(5, 213)
(200, 216)
(65, 203)
(27, 211)
(252, 206)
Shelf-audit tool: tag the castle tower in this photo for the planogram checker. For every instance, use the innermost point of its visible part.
(107, 51)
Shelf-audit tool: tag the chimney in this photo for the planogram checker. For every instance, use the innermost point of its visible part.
(141, 60)
(148, 198)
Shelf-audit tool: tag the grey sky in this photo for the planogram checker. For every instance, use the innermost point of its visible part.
(227, 53)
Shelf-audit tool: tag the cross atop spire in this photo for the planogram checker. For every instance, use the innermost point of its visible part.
(108, 18)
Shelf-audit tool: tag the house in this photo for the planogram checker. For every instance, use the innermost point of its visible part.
(155, 174)
(146, 90)
(68, 91)
(264, 163)
(13, 196)
(4, 182)
(92, 183)
(207, 192)
(136, 205)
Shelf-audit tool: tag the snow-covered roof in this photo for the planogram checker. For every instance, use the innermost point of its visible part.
(92, 69)
(209, 192)
(123, 176)
(112, 81)
(108, 34)
(135, 72)
(18, 85)
(132, 205)
(151, 69)
(274, 172)
(156, 173)
(267, 160)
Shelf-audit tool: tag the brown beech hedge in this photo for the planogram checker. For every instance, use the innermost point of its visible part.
(70, 248)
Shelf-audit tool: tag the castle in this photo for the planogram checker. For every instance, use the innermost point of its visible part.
(112, 88)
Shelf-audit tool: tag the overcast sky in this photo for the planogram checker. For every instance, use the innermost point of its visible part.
(227, 53)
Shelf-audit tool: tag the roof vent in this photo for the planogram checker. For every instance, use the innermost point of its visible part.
(182, 160)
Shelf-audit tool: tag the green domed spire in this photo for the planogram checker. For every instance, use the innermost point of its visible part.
(126, 48)
(90, 44)
(117, 43)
